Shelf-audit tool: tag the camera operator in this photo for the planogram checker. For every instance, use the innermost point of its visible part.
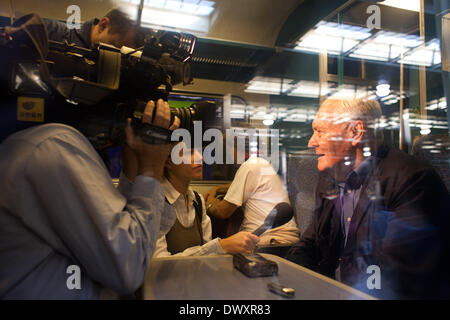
(65, 231)
(115, 28)
(59, 208)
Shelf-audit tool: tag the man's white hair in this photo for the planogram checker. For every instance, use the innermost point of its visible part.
(368, 111)
(359, 109)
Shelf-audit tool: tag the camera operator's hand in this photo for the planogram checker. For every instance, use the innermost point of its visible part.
(140, 158)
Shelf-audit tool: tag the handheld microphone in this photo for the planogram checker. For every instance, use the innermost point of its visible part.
(279, 215)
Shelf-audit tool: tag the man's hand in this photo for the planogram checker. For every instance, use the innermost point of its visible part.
(241, 242)
(213, 192)
(210, 196)
(222, 189)
(140, 158)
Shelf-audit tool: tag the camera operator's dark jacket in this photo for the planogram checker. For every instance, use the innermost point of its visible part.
(58, 31)
(405, 232)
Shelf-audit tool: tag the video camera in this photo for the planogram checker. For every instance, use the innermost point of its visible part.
(106, 84)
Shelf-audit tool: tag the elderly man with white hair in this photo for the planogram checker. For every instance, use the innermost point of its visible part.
(383, 217)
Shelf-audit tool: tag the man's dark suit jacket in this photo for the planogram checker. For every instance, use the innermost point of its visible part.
(404, 231)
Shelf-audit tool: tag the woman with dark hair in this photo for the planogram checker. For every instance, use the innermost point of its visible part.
(192, 232)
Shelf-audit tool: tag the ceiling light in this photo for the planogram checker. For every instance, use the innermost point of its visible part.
(378, 51)
(333, 37)
(309, 89)
(386, 46)
(268, 119)
(424, 56)
(342, 30)
(154, 3)
(183, 15)
(195, 7)
(333, 45)
(269, 85)
(412, 5)
(348, 91)
(268, 122)
(397, 39)
(383, 89)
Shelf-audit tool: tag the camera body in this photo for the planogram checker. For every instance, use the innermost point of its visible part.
(97, 89)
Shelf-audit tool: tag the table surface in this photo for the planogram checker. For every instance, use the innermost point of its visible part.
(214, 278)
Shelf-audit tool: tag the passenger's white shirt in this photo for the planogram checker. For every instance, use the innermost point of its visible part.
(258, 188)
(186, 219)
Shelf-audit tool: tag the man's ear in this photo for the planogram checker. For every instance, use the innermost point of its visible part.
(358, 131)
(103, 24)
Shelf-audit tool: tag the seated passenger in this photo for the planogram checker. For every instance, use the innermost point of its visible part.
(258, 188)
(191, 234)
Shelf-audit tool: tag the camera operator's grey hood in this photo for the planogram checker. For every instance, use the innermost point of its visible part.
(30, 29)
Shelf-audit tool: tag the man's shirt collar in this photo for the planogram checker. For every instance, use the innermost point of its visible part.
(357, 176)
